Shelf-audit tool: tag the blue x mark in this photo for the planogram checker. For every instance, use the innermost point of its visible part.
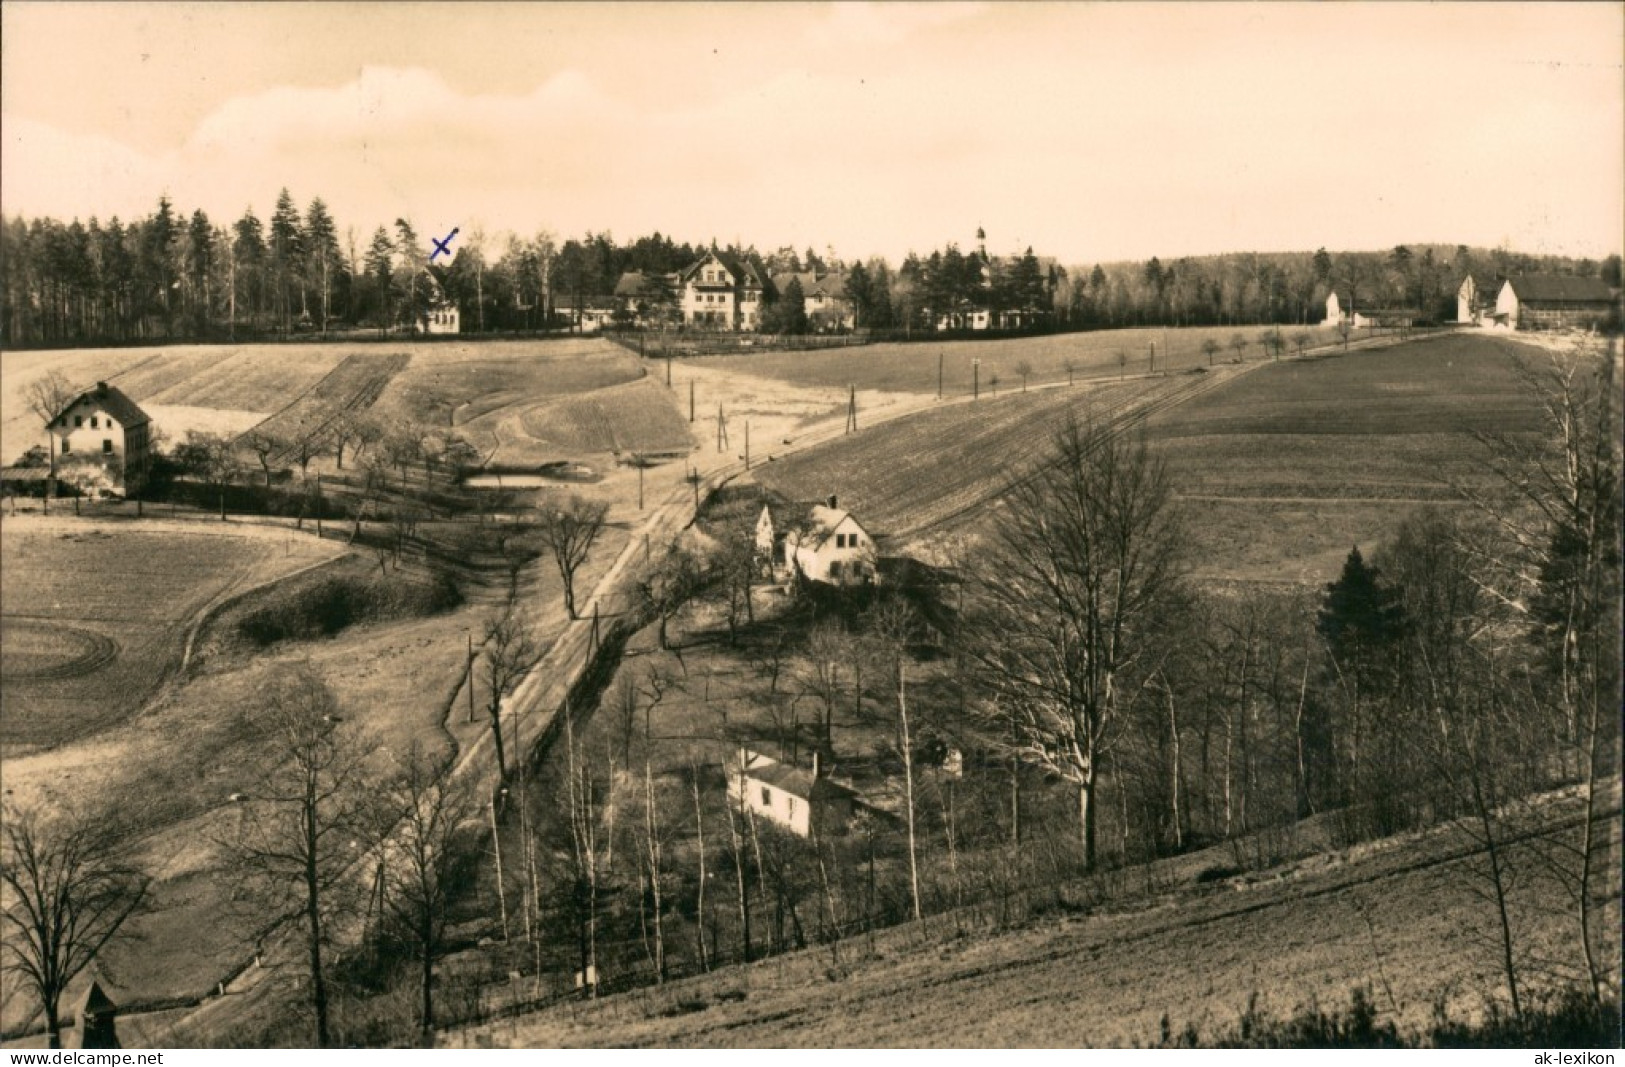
(440, 246)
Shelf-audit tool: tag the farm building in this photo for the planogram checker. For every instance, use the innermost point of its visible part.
(1554, 301)
(101, 440)
(1340, 309)
(803, 802)
(585, 314)
(1475, 302)
(818, 542)
(721, 292)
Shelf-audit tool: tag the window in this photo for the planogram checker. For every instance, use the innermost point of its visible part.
(78, 421)
(93, 424)
(834, 568)
(107, 447)
(840, 540)
(767, 797)
(67, 445)
(792, 802)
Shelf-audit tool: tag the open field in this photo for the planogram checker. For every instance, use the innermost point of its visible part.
(477, 381)
(1289, 466)
(912, 368)
(474, 380)
(639, 416)
(354, 385)
(1403, 917)
(169, 770)
(1285, 467)
(95, 613)
(914, 473)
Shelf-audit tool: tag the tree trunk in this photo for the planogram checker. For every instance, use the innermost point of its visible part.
(908, 791)
(1086, 815)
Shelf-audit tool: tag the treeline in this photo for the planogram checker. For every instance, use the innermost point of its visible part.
(173, 277)
(1291, 287)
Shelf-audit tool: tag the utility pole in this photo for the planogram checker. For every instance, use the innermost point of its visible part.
(939, 375)
(318, 505)
(1152, 369)
(469, 673)
(975, 378)
(690, 399)
(639, 460)
(747, 444)
(851, 408)
(722, 429)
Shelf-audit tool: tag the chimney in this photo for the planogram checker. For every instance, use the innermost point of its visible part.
(831, 502)
(101, 387)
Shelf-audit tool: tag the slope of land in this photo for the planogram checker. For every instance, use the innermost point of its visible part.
(95, 615)
(1405, 917)
(1284, 466)
(913, 368)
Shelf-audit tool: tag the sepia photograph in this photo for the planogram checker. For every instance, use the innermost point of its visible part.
(802, 525)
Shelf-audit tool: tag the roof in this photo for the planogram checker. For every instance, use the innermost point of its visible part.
(96, 1001)
(833, 285)
(112, 400)
(1560, 288)
(797, 782)
(632, 283)
(567, 302)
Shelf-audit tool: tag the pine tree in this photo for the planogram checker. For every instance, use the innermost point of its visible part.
(322, 258)
(284, 258)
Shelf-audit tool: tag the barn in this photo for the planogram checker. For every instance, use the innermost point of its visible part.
(1554, 302)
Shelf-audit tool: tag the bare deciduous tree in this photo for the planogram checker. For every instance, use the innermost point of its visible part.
(510, 652)
(433, 812)
(302, 821)
(1083, 558)
(46, 397)
(67, 894)
(569, 531)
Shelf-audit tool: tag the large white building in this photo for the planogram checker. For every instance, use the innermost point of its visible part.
(102, 440)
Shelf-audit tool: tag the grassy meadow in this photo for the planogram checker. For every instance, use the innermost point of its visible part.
(1283, 467)
(912, 368)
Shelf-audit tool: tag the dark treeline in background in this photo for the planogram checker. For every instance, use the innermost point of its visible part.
(177, 277)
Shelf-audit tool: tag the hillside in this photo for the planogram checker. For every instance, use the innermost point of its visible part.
(1402, 916)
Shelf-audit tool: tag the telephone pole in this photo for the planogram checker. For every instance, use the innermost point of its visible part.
(851, 408)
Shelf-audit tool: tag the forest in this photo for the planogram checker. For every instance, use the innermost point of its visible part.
(170, 277)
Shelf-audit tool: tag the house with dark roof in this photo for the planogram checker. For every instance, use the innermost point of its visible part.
(1340, 309)
(805, 802)
(1554, 301)
(638, 295)
(823, 298)
(102, 440)
(816, 542)
(720, 291)
(585, 314)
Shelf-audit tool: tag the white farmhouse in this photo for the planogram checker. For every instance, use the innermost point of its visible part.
(825, 545)
(803, 802)
(103, 437)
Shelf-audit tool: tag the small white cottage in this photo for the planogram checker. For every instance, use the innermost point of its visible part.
(824, 544)
(803, 802)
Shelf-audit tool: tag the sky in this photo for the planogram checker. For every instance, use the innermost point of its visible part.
(1088, 131)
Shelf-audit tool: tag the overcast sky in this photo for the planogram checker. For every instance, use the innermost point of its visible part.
(1089, 131)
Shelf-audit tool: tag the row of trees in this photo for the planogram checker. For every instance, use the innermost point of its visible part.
(1250, 287)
